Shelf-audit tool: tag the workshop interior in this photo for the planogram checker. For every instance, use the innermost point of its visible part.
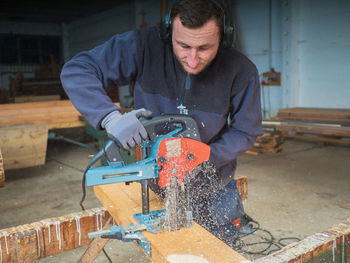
(72, 193)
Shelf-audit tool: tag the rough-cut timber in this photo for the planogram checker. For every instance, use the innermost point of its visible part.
(317, 129)
(332, 245)
(56, 114)
(96, 246)
(32, 98)
(2, 172)
(23, 145)
(122, 201)
(28, 243)
(320, 132)
(318, 114)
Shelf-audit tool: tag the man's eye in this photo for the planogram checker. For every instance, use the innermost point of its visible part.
(185, 46)
(202, 48)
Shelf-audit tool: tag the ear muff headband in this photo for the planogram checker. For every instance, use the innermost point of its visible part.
(228, 32)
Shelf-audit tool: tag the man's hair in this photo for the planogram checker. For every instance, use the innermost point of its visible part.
(195, 13)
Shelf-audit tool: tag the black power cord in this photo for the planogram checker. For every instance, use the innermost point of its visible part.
(97, 157)
(269, 243)
(83, 181)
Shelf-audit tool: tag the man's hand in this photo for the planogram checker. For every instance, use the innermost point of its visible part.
(125, 128)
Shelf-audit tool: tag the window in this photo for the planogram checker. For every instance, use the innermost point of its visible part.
(20, 50)
(8, 50)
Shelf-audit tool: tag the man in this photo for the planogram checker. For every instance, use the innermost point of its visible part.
(186, 68)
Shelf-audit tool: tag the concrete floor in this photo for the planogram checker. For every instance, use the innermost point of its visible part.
(302, 190)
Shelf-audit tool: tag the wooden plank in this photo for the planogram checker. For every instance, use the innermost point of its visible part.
(342, 115)
(31, 105)
(318, 139)
(28, 243)
(332, 245)
(318, 129)
(56, 114)
(2, 172)
(96, 246)
(23, 145)
(30, 98)
(122, 201)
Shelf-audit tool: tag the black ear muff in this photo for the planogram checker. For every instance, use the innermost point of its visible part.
(165, 27)
(228, 30)
(228, 36)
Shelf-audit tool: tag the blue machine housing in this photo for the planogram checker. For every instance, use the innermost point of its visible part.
(118, 172)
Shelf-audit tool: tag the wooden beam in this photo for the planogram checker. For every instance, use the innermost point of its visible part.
(56, 114)
(28, 243)
(332, 245)
(33, 98)
(2, 172)
(122, 201)
(322, 114)
(23, 145)
(319, 139)
(318, 129)
(96, 246)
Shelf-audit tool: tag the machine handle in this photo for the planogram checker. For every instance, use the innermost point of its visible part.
(189, 130)
(189, 125)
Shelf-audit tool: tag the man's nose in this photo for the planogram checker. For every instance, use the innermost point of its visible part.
(193, 58)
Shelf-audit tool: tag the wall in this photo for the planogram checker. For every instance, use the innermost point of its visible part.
(309, 45)
(321, 46)
(86, 33)
(259, 37)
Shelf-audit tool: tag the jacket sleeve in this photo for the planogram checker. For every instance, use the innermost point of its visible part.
(88, 75)
(246, 125)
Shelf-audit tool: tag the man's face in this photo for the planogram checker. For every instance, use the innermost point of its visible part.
(195, 48)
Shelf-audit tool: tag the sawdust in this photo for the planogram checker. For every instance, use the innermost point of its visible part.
(186, 259)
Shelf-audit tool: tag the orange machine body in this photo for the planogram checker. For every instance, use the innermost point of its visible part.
(178, 157)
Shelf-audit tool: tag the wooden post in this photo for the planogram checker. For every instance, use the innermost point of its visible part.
(2, 172)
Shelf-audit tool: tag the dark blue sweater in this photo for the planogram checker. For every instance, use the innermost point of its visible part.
(229, 86)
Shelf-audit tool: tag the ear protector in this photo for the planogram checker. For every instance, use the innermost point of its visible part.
(228, 32)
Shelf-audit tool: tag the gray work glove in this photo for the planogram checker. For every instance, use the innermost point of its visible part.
(125, 128)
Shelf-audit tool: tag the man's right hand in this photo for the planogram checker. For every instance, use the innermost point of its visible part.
(125, 128)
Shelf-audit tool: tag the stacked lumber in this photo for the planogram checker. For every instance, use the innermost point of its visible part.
(315, 124)
(270, 141)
